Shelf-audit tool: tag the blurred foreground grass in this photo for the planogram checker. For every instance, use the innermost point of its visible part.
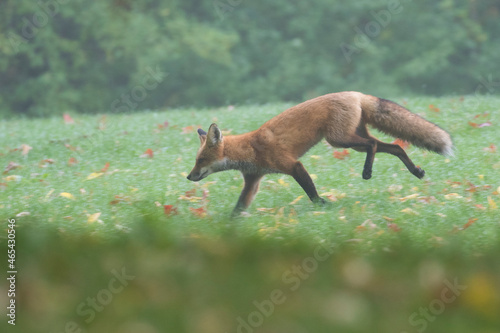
(98, 251)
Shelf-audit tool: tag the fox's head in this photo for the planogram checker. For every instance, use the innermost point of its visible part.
(210, 157)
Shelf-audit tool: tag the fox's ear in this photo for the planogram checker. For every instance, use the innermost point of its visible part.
(214, 135)
(202, 135)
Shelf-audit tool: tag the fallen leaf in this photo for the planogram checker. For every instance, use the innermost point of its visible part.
(388, 219)
(11, 166)
(91, 218)
(409, 211)
(433, 108)
(394, 227)
(296, 200)
(67, 119)
(476, 125)
(200, 212)
(492, 203)
(408, 197)
(190, 193)
(266, 210)
(491, 149)
(67, 195)
(94, 175)
(72, 161)
(25, 149)
(148, 153)
(479, 206)
(315, 157)
(469, 223)
(170, 210)
(43, 163)
(283, 183)
(23, 214)
(341, 154)
(394, 188)
(402, 143)
(106, 167)
(187, 129)
(452, 196)
(13, 178)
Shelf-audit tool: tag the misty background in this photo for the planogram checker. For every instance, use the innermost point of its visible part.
(122, 55)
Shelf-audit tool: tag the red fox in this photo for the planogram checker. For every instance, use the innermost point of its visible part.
(340, 118)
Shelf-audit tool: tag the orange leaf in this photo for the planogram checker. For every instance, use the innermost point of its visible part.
(187, 129)
(200, 212)
(476, 125)
(43, 163)
(402, 143)
(67, 119)
(106, 167)
(148, 153)
(170, 210)
(433, 108)
(340, 154)
(492, 148)
(394, 227)
(72, 161)
(190, 193)
(469, 223)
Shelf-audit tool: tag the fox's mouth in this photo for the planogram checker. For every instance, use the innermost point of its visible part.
(203, 175)
(200, 177)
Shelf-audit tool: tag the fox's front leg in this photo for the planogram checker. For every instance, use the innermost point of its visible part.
(248, 193)
(300, 174)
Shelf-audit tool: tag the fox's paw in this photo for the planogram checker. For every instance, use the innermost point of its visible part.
(419, 173)
(367, 174)
(320, 201)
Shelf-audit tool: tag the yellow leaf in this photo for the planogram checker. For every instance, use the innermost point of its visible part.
(184, 174)
(48, 195)
(492, 203)
(409, 211)
(91, 218)
(316, 157)
(314, 177)
(441, 215)
(67, 195)
(94, 175)
(13, 178)
(296, 200)
(318, 213)
(283, 183)
(408, 197)
(452, 196)
(481, 177)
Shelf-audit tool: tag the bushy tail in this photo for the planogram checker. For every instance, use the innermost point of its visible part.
(395, 120)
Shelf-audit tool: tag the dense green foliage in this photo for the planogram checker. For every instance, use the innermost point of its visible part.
(123, 55)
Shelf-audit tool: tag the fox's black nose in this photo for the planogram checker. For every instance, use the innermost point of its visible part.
(189, 177)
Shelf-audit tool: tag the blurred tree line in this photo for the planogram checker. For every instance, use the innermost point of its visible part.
(124, 55)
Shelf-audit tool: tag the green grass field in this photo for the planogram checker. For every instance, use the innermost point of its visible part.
(87, 198)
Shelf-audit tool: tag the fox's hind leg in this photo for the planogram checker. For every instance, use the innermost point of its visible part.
(359, 143)
(392, 149)
(401, 154)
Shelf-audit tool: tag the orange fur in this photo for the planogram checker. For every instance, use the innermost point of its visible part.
(340, 118)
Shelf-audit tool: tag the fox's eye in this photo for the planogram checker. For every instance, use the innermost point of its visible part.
(201, 160)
